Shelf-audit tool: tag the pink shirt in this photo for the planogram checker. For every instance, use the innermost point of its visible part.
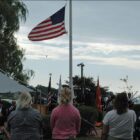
(65, 121)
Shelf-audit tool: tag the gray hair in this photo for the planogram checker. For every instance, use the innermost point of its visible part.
(65, 95)
(24, 100)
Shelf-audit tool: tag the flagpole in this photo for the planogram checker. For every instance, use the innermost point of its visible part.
(70, 48)
(59, 91)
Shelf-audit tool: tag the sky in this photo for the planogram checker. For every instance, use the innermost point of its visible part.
(106, 38)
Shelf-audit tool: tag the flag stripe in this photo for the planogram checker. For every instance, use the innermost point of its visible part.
(47, 34)
(49, 102)
(49, 27)
(47, 31)
(42, 26)
(49, 23)
(47, 37)
(44, 23)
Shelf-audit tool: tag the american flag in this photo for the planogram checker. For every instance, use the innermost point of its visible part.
(50, 28)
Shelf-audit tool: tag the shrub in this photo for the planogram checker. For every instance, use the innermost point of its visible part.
(99, 117)
(136, 107)
(6, 104)
(89, 116)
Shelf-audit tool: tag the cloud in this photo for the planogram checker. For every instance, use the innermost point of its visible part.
(99, 53)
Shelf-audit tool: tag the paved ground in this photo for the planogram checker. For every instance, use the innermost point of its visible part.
(99, 131)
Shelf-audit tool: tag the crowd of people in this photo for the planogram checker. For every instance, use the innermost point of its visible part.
(25, 123)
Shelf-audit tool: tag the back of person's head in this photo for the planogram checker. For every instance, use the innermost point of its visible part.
(121, 103)
(24, 100)
(65, 95)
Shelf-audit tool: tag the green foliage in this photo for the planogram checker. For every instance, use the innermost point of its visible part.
(6, 104)
(89, 116)
(11, 57)
(99, 116)
(88, 81)
(89, 89)
(136, 107)
(89, 85)
(11, 11)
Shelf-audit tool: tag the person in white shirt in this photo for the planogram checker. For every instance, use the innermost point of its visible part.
(118, 124)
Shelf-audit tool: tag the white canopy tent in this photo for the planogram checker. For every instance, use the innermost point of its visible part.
(7, 84)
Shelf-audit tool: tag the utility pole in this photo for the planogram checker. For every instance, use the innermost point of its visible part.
(82, 78)
(50, 74)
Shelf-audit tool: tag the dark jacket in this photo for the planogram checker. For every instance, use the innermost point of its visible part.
(25, 124)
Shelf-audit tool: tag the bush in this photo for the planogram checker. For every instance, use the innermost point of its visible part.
(89, 116)
(136, 107)
(6, 104)
(99, 117)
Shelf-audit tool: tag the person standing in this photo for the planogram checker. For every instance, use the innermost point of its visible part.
(110, 103)
(12, 107)
(65, 118)
(118, 124)
(24, 123)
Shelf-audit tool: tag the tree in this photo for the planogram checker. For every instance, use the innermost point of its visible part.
(128, 88)
(11, 56)
(89, 90)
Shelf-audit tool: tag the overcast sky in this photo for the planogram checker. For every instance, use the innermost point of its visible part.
(106, 38)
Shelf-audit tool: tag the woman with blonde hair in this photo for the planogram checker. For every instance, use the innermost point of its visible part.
(25, 122)
(65, 118)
